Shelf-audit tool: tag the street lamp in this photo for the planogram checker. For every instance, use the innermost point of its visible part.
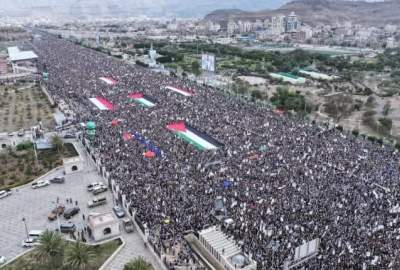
(26, 227)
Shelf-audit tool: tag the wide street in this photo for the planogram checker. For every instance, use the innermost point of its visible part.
(35, 204)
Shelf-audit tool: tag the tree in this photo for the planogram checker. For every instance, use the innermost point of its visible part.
(50, 250)
(58, 143)
(138, 264)
(79, 256)
(196, 68)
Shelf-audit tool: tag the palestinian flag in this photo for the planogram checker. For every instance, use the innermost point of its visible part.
(197, 138)
(186, 93)
(108, 80)
(127, 136)
(102, 103)
(142, 99)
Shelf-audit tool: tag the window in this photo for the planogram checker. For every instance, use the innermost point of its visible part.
(107, 231)
(3, 145)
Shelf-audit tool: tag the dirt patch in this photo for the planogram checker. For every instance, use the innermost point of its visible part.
(22, 106)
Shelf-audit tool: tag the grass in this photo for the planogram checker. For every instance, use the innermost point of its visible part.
(102, 252)
(20, 167)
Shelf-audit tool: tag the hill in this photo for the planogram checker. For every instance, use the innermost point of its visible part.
(315, 12)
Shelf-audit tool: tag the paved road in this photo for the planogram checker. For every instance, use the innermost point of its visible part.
(35, 205)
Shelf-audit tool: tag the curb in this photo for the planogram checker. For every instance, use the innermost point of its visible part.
(16, 257)
(108, 261)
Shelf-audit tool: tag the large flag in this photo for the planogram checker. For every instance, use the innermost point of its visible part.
(184, 92)
(102, 103)
(108, 80)
(200, 140)
(142, 99)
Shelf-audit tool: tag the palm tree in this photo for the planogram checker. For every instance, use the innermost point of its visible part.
(79, 256)
(50, 250)
(138, 264)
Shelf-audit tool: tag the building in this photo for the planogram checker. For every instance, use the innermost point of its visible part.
(103, 226)
(391, 43)
(73, 165)
(225, 250)
(278, 25)
(232, 27)
(292, 23)
(288, 77)
(318, 75)
(15, 55)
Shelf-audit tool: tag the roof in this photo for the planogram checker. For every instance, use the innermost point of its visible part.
(103, 219)
(16, 55)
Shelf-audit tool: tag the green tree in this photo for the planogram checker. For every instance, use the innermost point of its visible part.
(50, 250)
(196, 68)
(58, 143)
(79, 256)
(138, 264)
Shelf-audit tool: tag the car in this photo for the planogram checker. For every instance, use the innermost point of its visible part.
(57, 211)
(67, 228)
(118, 211)
(5, 193)
(58, 180)
(70, 212)
(91, 186)
(128, 225)
(97, 201)
(30, 242)
(99, 189)
(10, 134)
(35, 233)
(40, 184)
(21, 133)
(69, 136)
(2, 260)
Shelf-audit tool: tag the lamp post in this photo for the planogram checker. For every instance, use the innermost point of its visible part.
(26, 227)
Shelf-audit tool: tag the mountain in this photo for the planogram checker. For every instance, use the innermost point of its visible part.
(315, 12)
(119, 8)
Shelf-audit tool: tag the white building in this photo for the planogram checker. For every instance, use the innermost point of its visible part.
(292, 23)
(73, 165)
(391, 43)
(225, 250)
(103, 226)
(232, 27)
(278, 25)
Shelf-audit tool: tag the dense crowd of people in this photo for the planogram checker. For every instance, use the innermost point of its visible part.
(290, 181)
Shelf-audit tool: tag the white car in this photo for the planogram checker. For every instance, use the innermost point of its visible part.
(30, 242)
(5, 193)
(2, 260)
(92, 186)
(40, 184)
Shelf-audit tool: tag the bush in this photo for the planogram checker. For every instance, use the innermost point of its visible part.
(339, 127)
(371, 138)
(24, 146)
(355, 132)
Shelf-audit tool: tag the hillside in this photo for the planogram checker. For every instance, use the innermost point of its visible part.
(316, 12)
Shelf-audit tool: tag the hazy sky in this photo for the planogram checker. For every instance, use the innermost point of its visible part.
(135, 7)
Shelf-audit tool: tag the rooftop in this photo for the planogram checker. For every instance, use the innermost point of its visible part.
(16, 55)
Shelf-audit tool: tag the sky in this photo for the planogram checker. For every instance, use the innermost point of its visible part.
(178, 8)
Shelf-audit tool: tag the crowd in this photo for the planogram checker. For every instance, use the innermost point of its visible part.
(290, 181)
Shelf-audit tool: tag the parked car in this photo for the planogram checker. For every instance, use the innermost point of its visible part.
(71, 212)
(58, 180)
(128, 225)
(30, 242)
(68, 228)
(91, 186)
(99, 189)
(5, 193)
(40, 184)
(119, 212)
(97, 201)
(69, 136)
(35, 233)
(2, 260)
(57, 211)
